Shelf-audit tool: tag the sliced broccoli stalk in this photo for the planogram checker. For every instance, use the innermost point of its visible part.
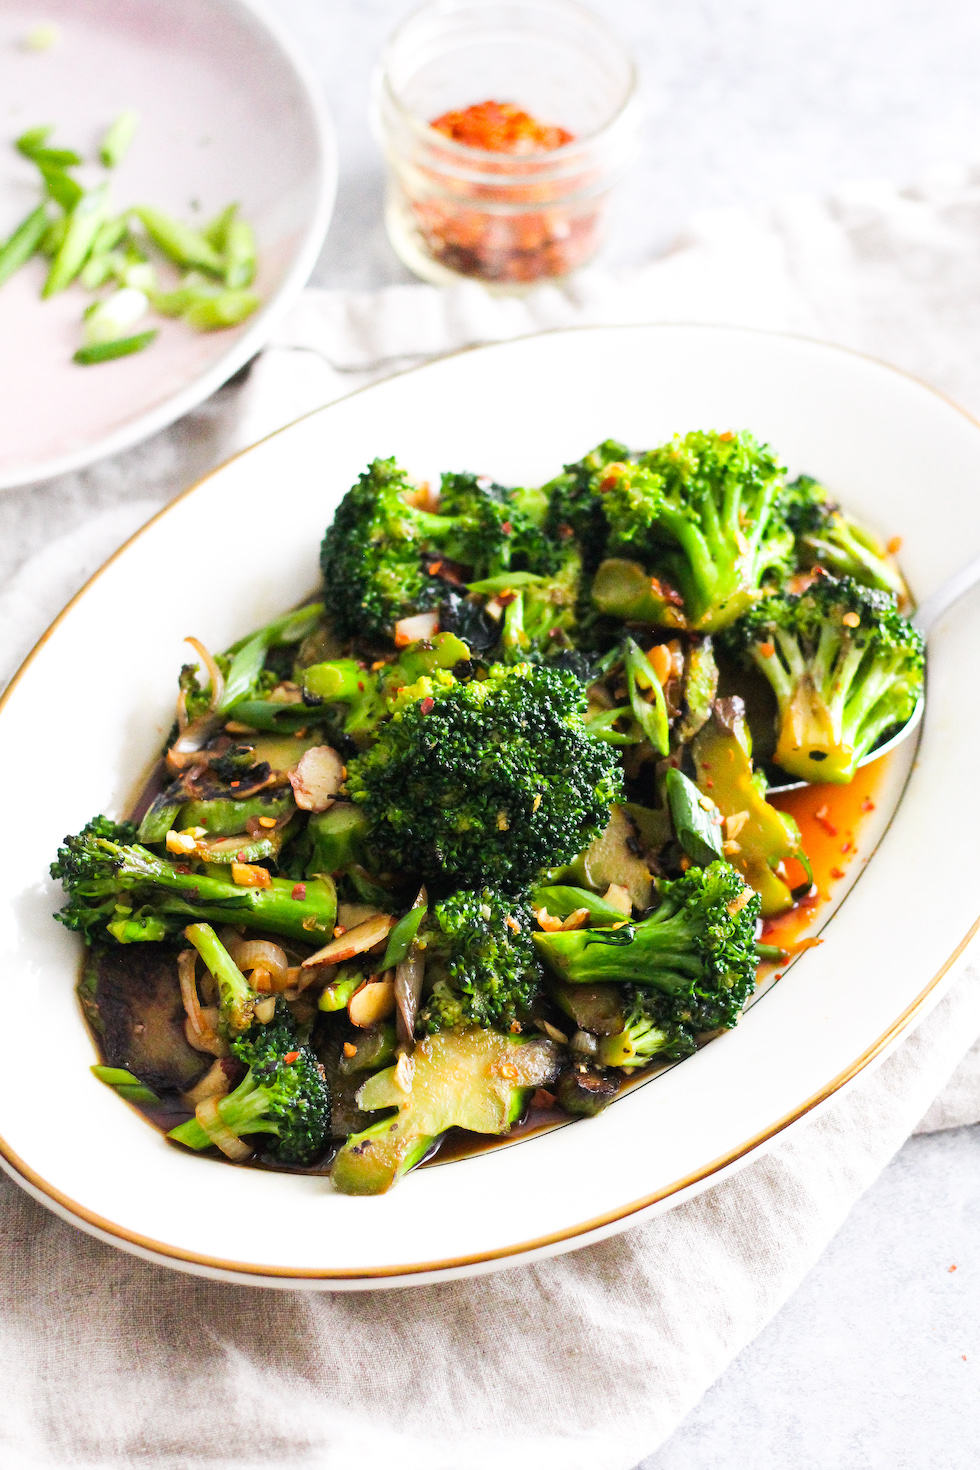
(283, 1097)
(624, 589)
(697, 946)
(120, 890)
(699, 689)
(700, 513)
(334, 839)
(471, 1078)
(615, 856)
(236, 998)
(827, 537)
(563, 899)
(372, 1049)
(762, 839)
(846, 668)
(222, 816)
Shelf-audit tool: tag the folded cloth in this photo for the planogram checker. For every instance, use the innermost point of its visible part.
(594, 1357)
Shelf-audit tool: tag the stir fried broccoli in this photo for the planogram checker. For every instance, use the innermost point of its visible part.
(697, 946)
(486, 819)
(701, 516)
(283, 1097)
(480, 965)
(118, 890)
(657, 1027)
(845, 667)
(382, 556)
(364, 694)
(487, 781)
(827, 537)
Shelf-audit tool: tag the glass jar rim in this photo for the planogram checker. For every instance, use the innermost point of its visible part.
(544, 161)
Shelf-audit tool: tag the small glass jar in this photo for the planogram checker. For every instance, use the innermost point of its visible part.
(509, 219)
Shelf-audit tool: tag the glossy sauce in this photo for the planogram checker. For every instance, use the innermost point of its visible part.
(831, 820)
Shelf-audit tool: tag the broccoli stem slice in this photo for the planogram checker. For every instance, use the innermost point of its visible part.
(236, 998)
(242, 1111)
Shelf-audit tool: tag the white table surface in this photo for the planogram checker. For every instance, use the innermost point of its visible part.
(748, 100)
(876, 1360)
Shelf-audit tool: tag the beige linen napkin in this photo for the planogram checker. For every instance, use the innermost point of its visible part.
(590, 1359)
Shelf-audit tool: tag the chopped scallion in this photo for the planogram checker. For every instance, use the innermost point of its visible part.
(119, 136)
(61, 187)
(21, 245)
(127, 1084)
(181, 243)
(107, 351)
(224, 309)
(83, 224)
(112, 318)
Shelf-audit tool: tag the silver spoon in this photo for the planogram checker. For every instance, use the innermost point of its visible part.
(925, 618)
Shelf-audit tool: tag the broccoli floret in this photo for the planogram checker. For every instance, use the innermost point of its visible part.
(363, 694)
(656, 1028)
(845, 668)
(480, 965)
(507, 531)
(827, 537)
(699, 515)
(541, 613)
(283, 1095)
(121, 891)
(696, 947)
(382, 555)
(575, 508)
(486, 782)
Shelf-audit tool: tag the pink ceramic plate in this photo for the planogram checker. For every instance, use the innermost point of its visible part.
(226, 113)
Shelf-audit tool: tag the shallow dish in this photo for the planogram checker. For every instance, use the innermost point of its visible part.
(227, 112)
(900, 456)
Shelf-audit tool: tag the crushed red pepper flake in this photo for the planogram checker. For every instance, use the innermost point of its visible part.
(822, 815)
(867, 805)
(426, 705)
(500, 127)
(290, 1057)
(837, 872)
(298, 892)
(485, 228)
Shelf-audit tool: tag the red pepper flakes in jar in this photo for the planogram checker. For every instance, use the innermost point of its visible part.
(510, 225)
(512, 189)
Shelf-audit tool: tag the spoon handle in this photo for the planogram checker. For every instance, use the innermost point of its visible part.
(928, 613)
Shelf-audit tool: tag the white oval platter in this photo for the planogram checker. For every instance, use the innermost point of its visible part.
(242, 545)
